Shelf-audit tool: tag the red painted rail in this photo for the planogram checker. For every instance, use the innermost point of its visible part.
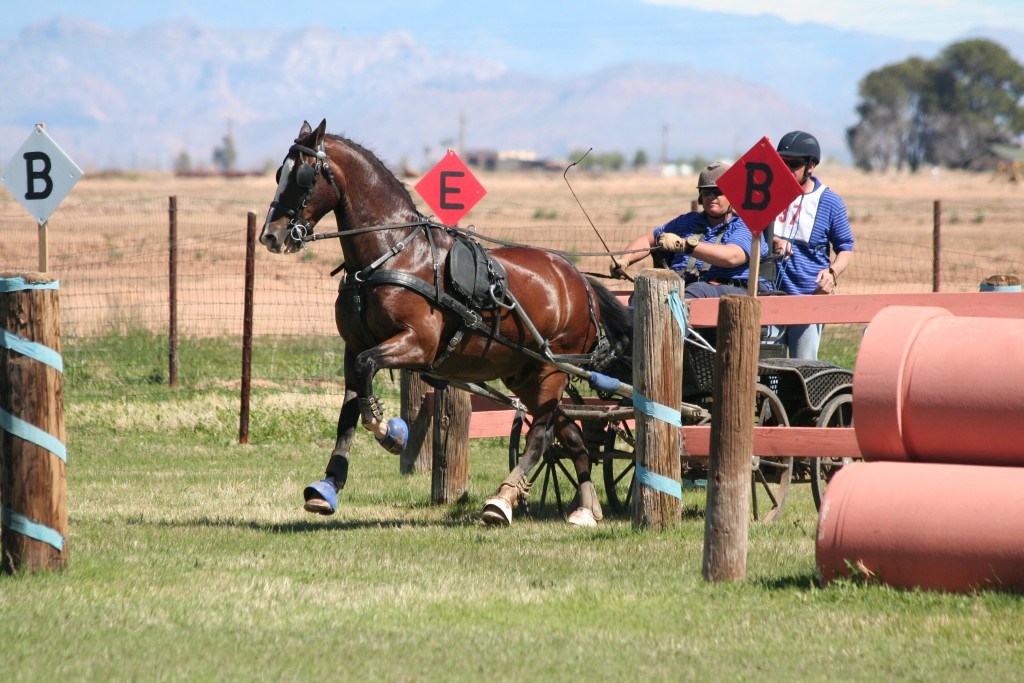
(491, 419)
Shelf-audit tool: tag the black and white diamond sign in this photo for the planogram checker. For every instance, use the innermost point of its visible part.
(40, 175)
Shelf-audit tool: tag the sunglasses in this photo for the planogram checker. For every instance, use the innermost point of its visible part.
(711, 192)
(794, 164)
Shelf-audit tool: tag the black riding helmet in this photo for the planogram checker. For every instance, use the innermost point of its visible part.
(800, 144)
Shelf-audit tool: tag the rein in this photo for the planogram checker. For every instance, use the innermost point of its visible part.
(465, 231)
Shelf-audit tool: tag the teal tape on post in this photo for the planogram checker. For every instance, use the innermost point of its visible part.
(26, 527)
(32, 434)
(659, 482)
(31, 349)
(657, 410)
(679, 312)
(17, 284)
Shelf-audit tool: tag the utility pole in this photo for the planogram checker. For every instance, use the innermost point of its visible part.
(462, 133)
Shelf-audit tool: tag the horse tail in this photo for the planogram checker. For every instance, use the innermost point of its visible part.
(617, 321)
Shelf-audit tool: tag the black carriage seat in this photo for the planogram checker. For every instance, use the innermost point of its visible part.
(803, 383)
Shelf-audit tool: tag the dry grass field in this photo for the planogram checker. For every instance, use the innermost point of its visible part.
(108, 241)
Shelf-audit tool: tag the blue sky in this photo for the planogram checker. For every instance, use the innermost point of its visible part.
(530, 33)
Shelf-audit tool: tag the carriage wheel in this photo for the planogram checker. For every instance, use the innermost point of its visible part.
(769, 483)
(556, 476)
(619, 466)
(838, 412)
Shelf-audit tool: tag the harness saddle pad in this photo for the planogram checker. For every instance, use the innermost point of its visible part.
(473, 273)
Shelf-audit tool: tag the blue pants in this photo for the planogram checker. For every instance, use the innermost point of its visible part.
(803, 340)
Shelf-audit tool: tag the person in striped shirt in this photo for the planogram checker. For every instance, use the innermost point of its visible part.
(812, 235)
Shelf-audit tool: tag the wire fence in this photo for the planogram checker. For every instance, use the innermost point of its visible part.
(112, 258)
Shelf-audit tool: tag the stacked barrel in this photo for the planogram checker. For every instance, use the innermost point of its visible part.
(938, 502)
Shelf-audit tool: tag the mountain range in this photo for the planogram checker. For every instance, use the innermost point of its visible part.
(138, 99)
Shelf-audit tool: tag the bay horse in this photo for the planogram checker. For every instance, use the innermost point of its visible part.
(399, 307)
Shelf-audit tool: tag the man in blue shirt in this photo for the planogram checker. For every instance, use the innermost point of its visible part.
(710, 249)
(815, 223)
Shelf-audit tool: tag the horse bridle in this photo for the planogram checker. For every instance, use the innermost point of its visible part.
(306, 176)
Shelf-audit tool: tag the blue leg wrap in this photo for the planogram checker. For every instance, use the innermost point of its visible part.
(397, 436)
(321, 497)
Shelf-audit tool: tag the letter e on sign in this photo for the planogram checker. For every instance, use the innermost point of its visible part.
(759, 186)
(40, 175)
(450, 190)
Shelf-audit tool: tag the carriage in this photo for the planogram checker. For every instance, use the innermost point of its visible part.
(418, 295)
(789, 392)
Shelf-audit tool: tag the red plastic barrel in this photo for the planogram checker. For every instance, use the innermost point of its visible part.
(939, 527)
(931, 387)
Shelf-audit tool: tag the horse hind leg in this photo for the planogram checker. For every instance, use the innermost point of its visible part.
(498, 509)
(587, 512)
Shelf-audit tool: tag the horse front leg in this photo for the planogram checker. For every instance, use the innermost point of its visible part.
(321, 497)
(400, 351)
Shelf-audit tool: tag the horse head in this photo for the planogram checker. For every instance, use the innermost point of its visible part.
(306, 191)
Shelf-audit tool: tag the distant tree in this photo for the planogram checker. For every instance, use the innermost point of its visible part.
(640, 159)
(182, 162)
(224, 157)
(978, 100)
(613, 160)
(945, 111)
(893, 128)
(601, 161)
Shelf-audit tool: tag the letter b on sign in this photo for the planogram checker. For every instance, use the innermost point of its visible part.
(764, 183)
(758, 193)
(32, 174)
(40, 175)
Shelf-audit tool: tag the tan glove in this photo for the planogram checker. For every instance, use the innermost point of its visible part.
(618, 268)
(671, 242)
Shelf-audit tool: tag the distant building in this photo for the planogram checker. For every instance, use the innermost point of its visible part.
(507, 160)
(1005, 160)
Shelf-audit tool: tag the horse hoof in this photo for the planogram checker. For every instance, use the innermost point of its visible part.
(497, 512)
(582, 517)
(321, 498)
(318, 506)
(396, 437)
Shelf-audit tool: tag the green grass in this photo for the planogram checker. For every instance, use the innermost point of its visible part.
(191, 560)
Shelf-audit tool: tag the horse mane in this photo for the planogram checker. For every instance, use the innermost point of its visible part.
(376, 163)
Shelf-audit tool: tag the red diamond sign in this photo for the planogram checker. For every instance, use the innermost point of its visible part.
(450, 189)
(759, 186)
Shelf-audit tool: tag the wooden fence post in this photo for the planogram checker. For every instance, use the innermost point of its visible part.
(936, 245)
(247, 307)
(727, 516)
(33, 477)
(418, 414)
(658, 378)
(172, 292)
(450, 471)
